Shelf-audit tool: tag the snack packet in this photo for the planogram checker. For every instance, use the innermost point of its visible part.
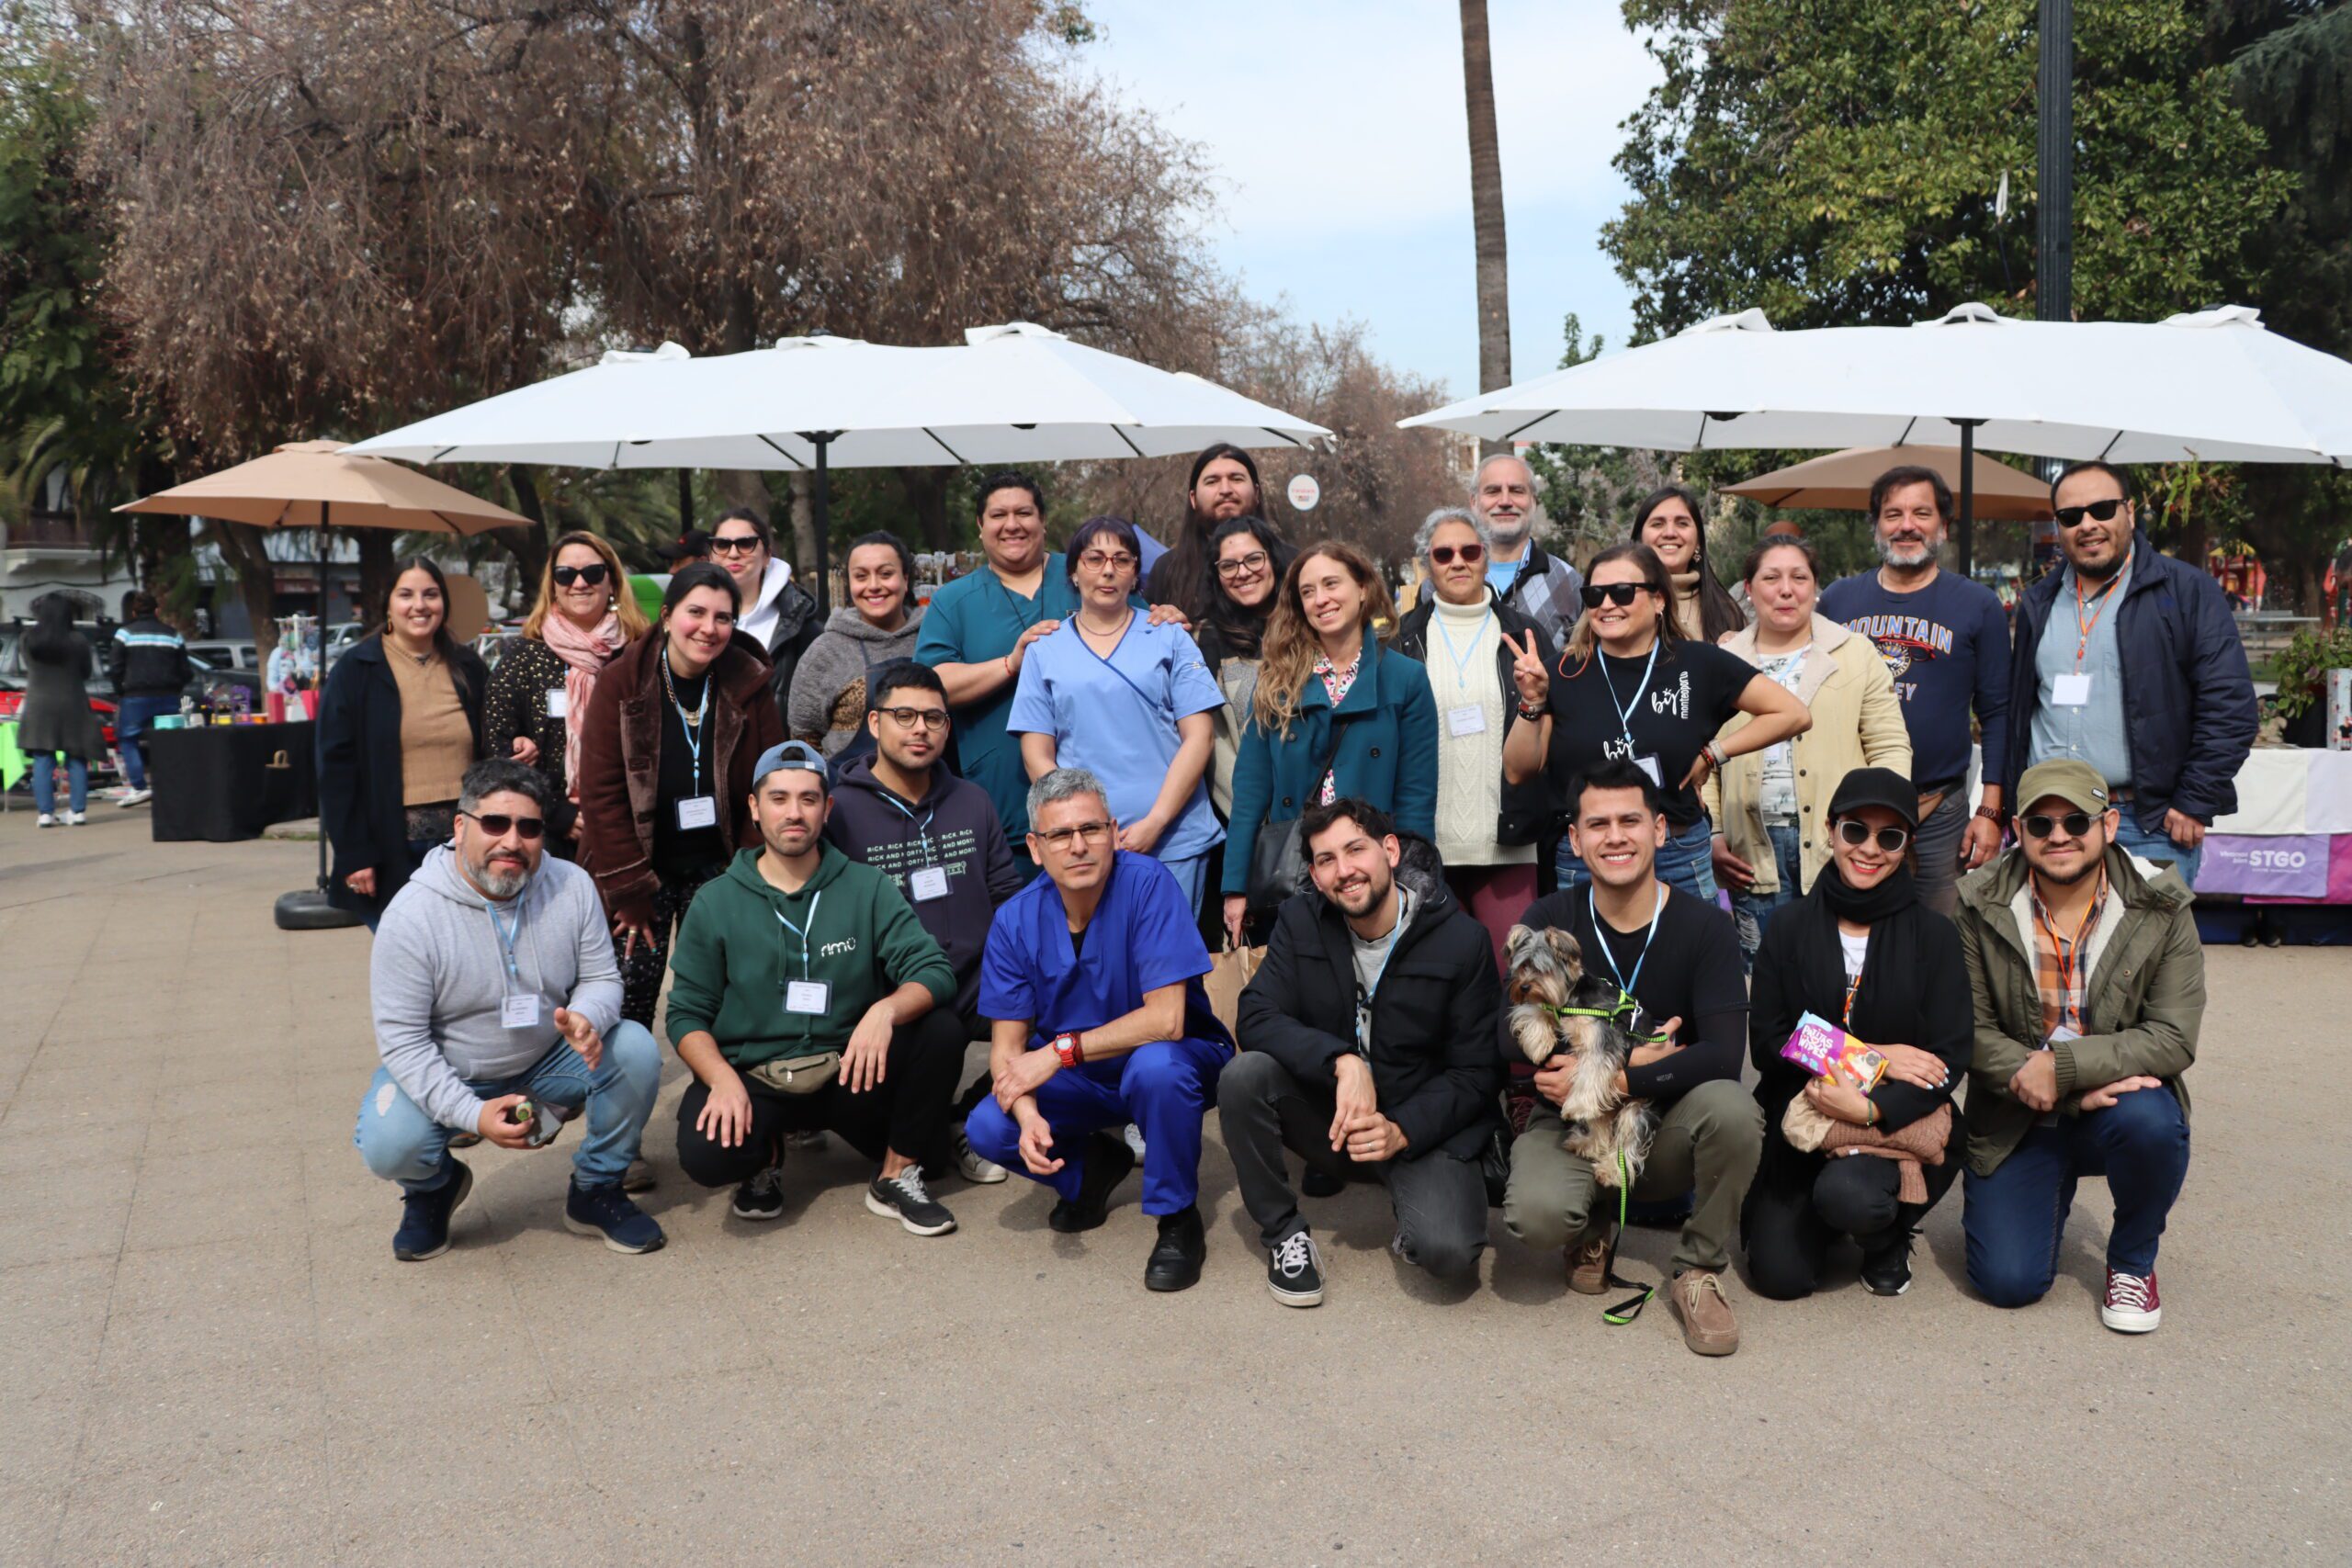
(1825, 1051)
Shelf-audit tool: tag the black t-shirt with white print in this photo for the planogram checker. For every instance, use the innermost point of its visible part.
(1690, 694)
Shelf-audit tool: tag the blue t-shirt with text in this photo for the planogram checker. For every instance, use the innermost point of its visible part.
(1947, 648)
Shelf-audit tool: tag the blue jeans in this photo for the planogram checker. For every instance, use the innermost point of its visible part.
(1750, 910)
(132, 722)
(2156, 847)
(77, 773)
(1687, 861)
(401, 1144)
(2016, 1217)
(1164, 1087)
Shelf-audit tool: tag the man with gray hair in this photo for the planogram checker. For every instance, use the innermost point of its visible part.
(498, 1011)
(1542, 588)
(1092, 974)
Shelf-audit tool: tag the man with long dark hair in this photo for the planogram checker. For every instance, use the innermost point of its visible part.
(1224, 485)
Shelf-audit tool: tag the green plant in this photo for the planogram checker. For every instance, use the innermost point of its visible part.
(2299, 668)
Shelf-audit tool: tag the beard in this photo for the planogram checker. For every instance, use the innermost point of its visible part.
(1511, 536)
(501, 881)
(1919, 555)
(1360, 902)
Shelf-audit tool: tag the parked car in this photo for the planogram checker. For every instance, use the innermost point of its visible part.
(226, 655)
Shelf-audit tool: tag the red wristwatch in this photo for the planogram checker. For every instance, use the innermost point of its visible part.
(1065, 1049)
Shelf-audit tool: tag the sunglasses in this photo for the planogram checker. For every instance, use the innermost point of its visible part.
(497, 824)
(2039, 825)
(565, 576)
(1443, 555)
(736, 544)
(1858, 833)
(908, 718)
(1252, 562)
(1617, 594)
(2072, 516)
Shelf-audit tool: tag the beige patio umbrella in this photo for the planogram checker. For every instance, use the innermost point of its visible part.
(315, 484)
(1841, 482)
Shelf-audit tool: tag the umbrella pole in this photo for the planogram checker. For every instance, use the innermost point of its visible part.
(1967, 540)
(823, 509)
(318, 688)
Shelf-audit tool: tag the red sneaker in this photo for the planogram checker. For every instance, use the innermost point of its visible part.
(2130, 1306)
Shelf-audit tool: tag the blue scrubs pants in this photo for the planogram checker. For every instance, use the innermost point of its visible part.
(1164, 1087)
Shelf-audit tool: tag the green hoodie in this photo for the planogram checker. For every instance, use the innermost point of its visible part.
(733, 955)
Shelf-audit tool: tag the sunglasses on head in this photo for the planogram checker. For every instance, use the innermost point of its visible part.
(1857, 832)
(2072, 516)
(735, 544)
(497, 824)
(2039, 824)
(1617, 594)
(1443, 555)
(565, 576)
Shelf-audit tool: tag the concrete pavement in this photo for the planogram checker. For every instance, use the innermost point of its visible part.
(210, 1355)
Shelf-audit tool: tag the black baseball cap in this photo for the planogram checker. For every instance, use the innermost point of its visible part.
(1876, 786)
(691, 544)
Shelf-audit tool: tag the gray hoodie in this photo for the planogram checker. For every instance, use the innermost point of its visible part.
(834, 668)
(439, 982)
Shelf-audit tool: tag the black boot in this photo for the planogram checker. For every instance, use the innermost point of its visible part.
(1175, 1262)
(1108, 1160)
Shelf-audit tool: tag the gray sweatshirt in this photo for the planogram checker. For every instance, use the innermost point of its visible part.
(834, 668)
(438, 977)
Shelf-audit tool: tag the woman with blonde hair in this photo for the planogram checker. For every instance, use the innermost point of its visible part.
(1334, 715)
(581, 621)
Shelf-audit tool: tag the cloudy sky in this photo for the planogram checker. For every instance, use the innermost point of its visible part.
(1337, 130)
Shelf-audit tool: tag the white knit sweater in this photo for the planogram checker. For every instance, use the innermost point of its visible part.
(1469, 767)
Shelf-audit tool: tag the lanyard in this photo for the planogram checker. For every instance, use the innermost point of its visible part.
(2068, 950)
(2104, 597)
(802, 931)
(1022, 618)
(1625, 713)
(1600, 937)
(1462, 660)
(507, 939)
(693, 727)
(1852, 986)
(922, 828)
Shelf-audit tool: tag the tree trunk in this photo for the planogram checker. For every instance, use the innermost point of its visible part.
(376, 574)
(1486, 206)
(926, 490)
(803, 530)
(245, 549)
(529, 548)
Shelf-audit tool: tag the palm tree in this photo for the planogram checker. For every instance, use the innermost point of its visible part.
(1487, 205)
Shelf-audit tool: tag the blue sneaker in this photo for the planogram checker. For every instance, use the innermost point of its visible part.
(426, 1216)
(607, 1212)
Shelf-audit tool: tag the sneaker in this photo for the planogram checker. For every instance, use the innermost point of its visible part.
(975, 1167)
(1108, 1160)
(1589, 1262)
(762, 1197)
(1132, 1137)
(639, 1177)
(76, 820)
(131, 798)
(1321, 1183)
(1696, 1297)
(464, 1140)
(1176, 1258)
(46, 820)
(904, 1198)
(1887, 1272)
(1294, 1270)
(426, 1216)
(812, 1140)
(607, 1212)
(2130, 1306)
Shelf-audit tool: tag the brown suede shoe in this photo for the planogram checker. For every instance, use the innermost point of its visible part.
(1697, 1299)
(1589, 1262)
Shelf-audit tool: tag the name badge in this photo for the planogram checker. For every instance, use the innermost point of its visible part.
(808, 996)
(2063, 1031)
(698, 811)
(520, 1012)
(2070, 690)
(1649, 765)
(559, 703)
(1469, 720)
(927, 883)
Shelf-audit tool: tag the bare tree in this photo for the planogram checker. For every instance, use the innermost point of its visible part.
(1487, 204)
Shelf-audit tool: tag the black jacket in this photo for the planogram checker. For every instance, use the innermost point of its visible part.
(2189, 708)
(147, 658)
(797, 626)
(1527, 807)
(1435, 1015)
(359, 766)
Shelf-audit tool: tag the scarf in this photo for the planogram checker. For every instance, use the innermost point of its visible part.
(584, 654)
(1912, 1146)
(1886, 1002)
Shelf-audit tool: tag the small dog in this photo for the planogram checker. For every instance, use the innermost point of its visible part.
(1547, 973)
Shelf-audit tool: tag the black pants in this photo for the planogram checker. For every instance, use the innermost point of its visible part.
(1440, 1201)
(906, 1111)
(1800, 1203)
(642, 970)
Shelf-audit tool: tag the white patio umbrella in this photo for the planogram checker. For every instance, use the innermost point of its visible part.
(1012, 394)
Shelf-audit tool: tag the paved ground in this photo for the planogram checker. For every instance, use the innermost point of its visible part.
(207, 1352)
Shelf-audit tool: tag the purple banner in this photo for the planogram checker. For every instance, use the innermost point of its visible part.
(2281, 867)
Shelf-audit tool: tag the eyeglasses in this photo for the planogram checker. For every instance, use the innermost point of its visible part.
(2072, 516)
(1858, 833)
(1092, 832)
(1254, 561)
(913, 718)
(2038, 826)
(497, 824)
(565, 576)
(735, 544)
(1471, 554)
(1095, 561)
(1617, 594)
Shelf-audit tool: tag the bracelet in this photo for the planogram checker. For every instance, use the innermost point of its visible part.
(1008, 665)
(1532, 715)
(1993, 814)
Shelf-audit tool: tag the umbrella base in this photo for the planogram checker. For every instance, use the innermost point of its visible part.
(309, 912)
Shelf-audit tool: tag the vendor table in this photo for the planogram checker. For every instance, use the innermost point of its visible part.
(226, 782)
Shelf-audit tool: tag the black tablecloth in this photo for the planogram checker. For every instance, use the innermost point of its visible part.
(230, 780)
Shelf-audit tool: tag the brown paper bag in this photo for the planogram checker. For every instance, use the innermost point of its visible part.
(1228, 973)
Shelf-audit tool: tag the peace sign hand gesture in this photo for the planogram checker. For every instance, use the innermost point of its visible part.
(1529, 671)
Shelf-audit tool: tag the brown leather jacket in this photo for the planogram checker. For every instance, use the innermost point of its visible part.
(620, 764)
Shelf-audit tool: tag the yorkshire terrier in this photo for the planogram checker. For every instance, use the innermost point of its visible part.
(1548, 975)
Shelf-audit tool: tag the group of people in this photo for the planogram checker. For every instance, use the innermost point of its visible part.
(1023, 813)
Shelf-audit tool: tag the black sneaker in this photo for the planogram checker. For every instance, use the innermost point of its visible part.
(1108, 1160)
(607, 1212)
(903, 1197)
(426, 1216)
(1321, 1183)
(762, 1197)
(1887, 1272)
(1294, 1270)
(1176, 1258)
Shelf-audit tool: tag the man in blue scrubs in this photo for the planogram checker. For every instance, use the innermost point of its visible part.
(1092, 973)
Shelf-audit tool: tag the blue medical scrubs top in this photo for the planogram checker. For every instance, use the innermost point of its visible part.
(973, 620)
(1117, 718)
(1143, 936)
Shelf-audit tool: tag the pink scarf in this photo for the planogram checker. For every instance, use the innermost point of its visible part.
(584, 654)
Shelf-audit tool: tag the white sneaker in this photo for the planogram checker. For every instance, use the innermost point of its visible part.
(976, 1169)
(46, 820)
(1134, 1136)
(76, 820)
(135, 797)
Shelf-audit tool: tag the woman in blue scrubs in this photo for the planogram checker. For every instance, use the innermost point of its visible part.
(1131, 703)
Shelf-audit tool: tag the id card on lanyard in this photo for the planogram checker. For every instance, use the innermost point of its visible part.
(1625, 983)
(928, 881)
(805, 996)
(1470, 718)
(518, 1008)
(693, 810)
(1648, 762)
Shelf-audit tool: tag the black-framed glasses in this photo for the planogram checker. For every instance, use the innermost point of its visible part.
(2103, 511)
(1857, 832)
(565, 576)
(734, 543)
(2039, 824)
(911, 718)
(1242, 566)
(1617, 594)
(1091, 832)
(497, 824)
(1471, 555)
